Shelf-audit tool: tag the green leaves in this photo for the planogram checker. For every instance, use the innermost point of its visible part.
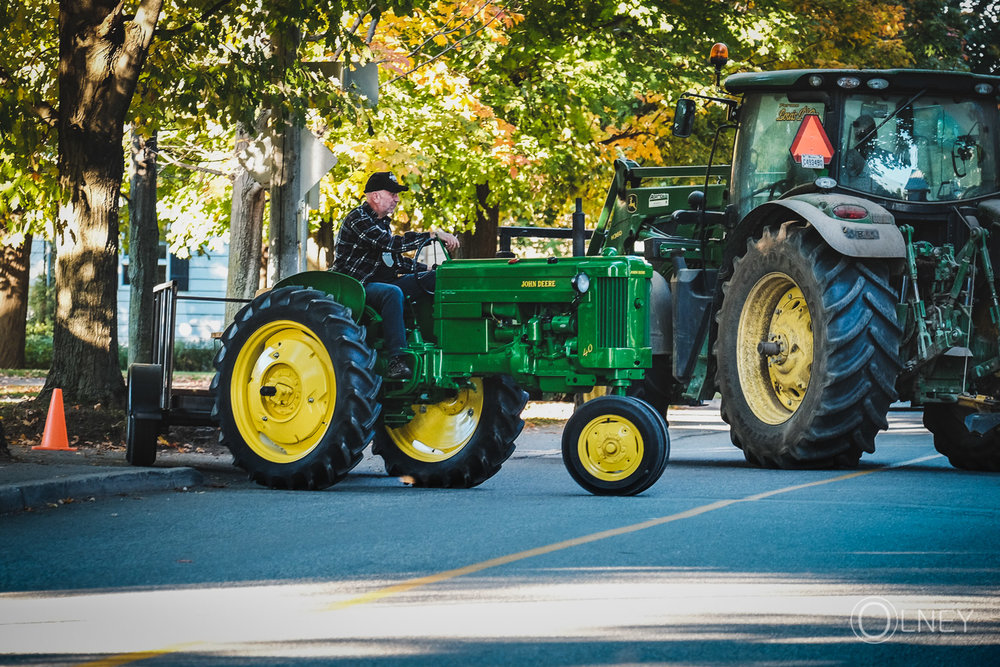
(535, 98)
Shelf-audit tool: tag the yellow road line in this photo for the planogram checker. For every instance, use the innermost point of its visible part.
(410, 584)
(522, 555)
(126, 658)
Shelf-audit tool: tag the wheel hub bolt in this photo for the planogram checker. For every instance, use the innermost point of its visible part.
(768, 348)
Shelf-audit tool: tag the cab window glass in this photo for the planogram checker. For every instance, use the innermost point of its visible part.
(918, 149)
(768, 170)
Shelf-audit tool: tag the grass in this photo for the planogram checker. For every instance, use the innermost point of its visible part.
(24, 372)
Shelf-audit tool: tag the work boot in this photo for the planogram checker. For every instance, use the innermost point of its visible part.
(398, 369)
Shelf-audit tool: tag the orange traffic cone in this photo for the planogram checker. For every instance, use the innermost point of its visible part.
(54, 438)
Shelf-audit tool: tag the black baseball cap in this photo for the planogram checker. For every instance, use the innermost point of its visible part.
(384, 180)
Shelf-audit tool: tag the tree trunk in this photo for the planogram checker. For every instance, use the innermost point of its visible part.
(246, 227)
(101, 53)
(482, 241)
(14, 261)
(143, 244)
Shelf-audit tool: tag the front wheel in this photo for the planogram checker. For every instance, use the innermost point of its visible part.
(615, 446)
(807, 352)
(965, 449)
(458, 443)
(296, 395)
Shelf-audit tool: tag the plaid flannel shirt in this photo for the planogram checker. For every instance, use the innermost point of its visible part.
(365, 245)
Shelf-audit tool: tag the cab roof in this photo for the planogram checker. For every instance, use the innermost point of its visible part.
(895, 80)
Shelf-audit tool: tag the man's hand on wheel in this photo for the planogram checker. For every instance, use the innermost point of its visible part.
(450, 241)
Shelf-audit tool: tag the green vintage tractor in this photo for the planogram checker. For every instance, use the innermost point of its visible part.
(299, 391)
(842, 263)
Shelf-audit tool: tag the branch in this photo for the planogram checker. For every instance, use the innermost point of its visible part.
(169, 159)
(45, 112)
(798, 54)
(445, 31)
(628, 134)
(631, 133)
(146, 17)
(353, 31)
(448, 48)
(209, 11)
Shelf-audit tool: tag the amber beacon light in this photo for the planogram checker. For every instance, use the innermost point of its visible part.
(719, 56)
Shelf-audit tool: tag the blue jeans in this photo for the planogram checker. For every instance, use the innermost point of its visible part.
(387, 299)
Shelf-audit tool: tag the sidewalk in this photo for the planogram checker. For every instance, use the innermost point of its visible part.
(38, 478)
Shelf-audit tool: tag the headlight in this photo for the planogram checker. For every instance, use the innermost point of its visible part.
(581, 282)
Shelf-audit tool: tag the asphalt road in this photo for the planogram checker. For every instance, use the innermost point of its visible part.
(717, 564)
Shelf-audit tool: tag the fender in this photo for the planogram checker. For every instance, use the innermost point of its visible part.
(344, 289)
(874, 236)
(661, 330)
(989, 210)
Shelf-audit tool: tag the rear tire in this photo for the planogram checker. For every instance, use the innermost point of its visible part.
(615, 446)
(145, 383)
(296, 394)
(457, 443)
(965, 449)
(821, 400)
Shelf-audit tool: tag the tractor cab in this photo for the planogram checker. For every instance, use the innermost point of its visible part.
(901, 137)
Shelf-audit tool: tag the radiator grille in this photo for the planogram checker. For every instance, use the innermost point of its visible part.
(612, 304)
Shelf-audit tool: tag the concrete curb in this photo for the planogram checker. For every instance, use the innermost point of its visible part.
(16, 497)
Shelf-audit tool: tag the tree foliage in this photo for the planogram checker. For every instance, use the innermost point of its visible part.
(982, 37)
(516, 106)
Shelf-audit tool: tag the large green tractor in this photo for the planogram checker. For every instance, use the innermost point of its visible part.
(843, 262)
(299, 391)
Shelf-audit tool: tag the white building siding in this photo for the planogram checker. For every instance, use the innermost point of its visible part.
(196, 320)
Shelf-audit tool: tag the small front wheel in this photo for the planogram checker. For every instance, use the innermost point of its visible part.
(615, 446)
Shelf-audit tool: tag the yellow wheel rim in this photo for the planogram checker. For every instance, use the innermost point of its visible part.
(610, 448)
(289, 362)
(440, 431)
(775, 381)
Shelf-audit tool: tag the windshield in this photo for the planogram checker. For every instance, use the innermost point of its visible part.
(769, 125)
(919, 147)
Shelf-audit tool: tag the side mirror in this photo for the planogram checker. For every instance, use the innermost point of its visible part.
(684, 117)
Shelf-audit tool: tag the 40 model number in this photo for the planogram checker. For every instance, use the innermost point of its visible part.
(538, 283)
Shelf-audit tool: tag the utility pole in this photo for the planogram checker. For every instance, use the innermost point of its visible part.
(285, 187)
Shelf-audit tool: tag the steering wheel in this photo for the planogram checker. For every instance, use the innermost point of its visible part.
(416, 256)
(774, 189)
